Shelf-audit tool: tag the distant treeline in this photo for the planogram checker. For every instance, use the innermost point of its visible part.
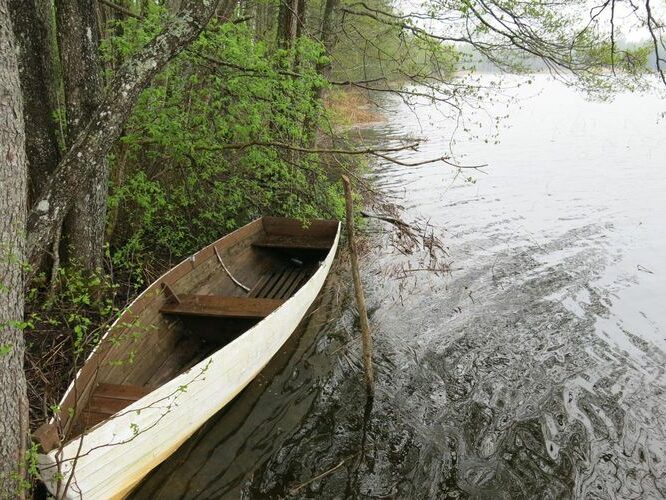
(476, 61)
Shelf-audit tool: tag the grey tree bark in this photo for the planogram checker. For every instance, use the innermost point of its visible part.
(78, 37)
(326, 34)
(95, 140)
(263, 18)
(13, 187)
(32, 24)
(287, 23)
(173, 6)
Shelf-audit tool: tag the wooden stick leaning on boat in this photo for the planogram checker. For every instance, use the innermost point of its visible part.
(358, 288)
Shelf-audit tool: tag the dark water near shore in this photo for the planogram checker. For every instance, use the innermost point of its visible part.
(535, 368)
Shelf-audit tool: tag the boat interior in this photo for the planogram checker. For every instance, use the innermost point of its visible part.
(192, 311)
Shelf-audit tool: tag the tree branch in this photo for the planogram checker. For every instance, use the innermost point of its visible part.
(651, 28)
(94, 142)
(302, 149)
(120, 8)
(377, 152)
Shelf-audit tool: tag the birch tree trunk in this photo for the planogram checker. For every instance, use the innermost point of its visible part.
(13, 180)
(89, 150)
(78, 37)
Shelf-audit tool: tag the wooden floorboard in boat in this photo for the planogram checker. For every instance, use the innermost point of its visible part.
(270, 284)
(285, 282)
(280, 284)
(301, 278)
(256, 289)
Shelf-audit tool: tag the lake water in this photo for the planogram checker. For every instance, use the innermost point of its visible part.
(534, 368)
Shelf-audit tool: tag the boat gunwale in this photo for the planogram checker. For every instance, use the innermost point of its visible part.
(49, 461)
(156, 285)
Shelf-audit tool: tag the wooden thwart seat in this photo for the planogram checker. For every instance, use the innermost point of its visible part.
(294, 242)
(109, 399)
(217, 306)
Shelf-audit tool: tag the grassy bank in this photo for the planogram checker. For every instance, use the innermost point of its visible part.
(351, 107)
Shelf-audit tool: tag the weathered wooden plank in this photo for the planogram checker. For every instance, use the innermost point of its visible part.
(283, 276)
(109, 399)
(302, 276)
(107, 406)
(90, 419)
(222, 307)
(183, 353)
(291, 227)
(265, 291)
(47, 437)
(300, 242)
(256, 289)
(151, 351)
(123, 392)
(284, 283)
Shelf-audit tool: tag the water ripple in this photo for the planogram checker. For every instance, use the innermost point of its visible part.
(536, 369)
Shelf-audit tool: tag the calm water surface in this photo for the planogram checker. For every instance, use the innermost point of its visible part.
(535, 368)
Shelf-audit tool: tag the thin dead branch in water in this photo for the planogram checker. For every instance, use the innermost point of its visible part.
(299, 487)
(391, 220)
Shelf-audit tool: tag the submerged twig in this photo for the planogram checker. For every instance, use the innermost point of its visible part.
(296, 489)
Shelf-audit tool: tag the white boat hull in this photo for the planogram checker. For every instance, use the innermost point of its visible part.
(109, 460)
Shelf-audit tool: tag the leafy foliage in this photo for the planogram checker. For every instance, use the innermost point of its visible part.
(372, 44)
(64, 322)
(189, 168)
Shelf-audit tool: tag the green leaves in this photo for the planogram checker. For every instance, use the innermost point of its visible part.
(77, 304)
(182, 185)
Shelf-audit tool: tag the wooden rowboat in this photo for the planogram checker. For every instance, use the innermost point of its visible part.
(180, 352)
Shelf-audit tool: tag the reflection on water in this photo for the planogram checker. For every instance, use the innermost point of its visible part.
(535, 369)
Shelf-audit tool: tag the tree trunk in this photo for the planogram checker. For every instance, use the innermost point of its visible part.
(173, 6)
(264, 19)
(300, 19)
(287, 21)
(225, 10)
(13, 187)
(82, 79)
(326, 35)
(31, 20)
(300, 28)
(96, 139)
